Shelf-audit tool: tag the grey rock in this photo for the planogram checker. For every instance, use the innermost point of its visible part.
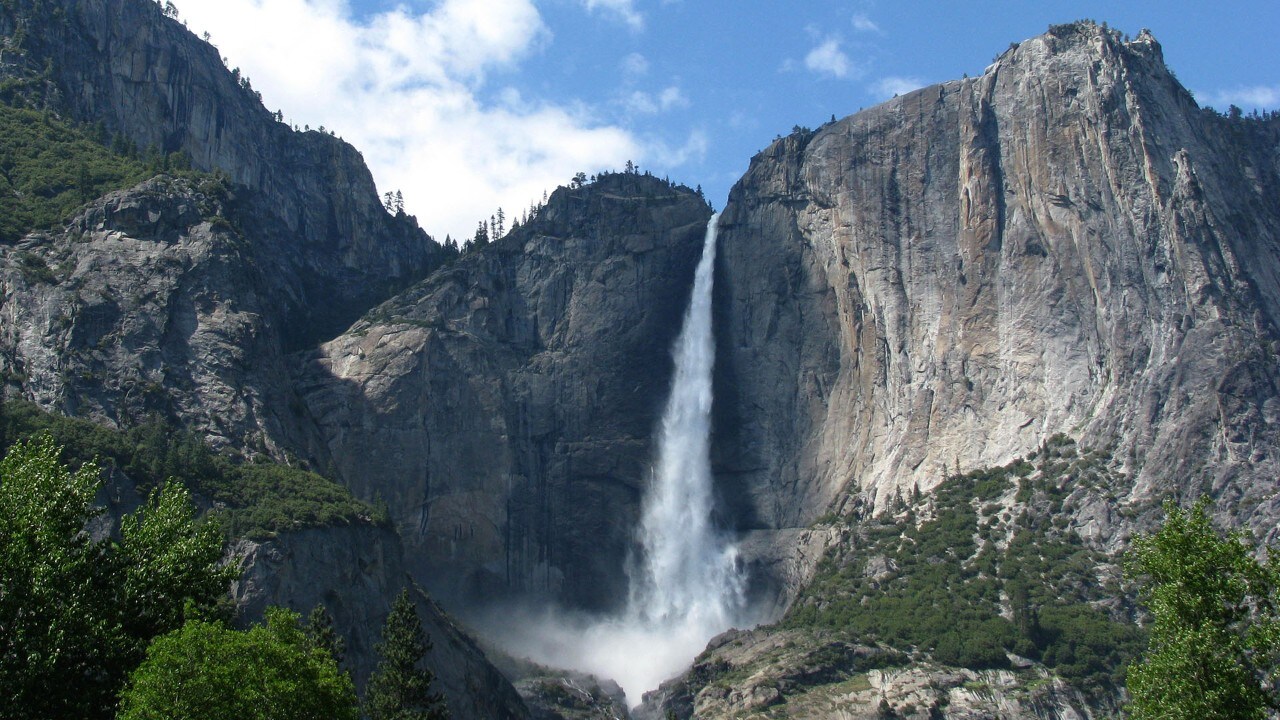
(318, 227)
(156, 309)
(1065, 243)
(504, 407)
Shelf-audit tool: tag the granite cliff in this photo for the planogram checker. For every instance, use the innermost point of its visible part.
(179, 299)
(318, 227)
(1063, 244)
(504, 407)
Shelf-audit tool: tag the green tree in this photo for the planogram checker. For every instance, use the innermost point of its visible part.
(166, 557)
(322, 634)
(53, 618)
(400, 689)
(206, 671)
(1214, 629)
(77, 613)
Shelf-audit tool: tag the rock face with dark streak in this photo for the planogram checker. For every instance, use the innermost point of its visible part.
(1065, 243)
(504, 408)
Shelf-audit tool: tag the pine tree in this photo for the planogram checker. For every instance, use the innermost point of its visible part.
(400, 689)
(323, 636)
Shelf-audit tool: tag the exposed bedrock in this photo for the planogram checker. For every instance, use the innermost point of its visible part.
(504, 408)
(1066, 243)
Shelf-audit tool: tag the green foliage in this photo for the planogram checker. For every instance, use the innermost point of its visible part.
(49, 168)
(1215, 630)
(987, 574)
(323, 636)
(206, 671)
(76, 613)
(258, 500)
(400, 689)
(167, 557)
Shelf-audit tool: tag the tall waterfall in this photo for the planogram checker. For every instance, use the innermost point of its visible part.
(688, 575)
(685, 584)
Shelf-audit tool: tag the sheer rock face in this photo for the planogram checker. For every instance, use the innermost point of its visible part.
(316, 221)
(1063, 244)
(504, 407)
(147, 307)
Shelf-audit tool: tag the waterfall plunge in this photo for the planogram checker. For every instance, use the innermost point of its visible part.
(688, 575)
(685, 586)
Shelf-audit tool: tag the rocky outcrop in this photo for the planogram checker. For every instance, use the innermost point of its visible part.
(796, 674)
(310, 207)
(149, 303)
(356, 572)
(1066, 243)
(504, 407)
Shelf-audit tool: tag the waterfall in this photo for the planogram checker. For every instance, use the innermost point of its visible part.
(687, 575)
(685, 584)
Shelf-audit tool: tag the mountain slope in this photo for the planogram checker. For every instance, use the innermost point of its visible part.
(148, 82)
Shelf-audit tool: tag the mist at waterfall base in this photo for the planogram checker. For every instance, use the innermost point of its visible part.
(686, 586)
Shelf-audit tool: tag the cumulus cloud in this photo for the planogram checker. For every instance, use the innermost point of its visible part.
(624, 10)
(409, 90)
(895, 85)
(862, 23)
(828, 59)
(1262, 97)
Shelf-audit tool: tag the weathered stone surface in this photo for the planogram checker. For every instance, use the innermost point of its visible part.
(1065, 243)
(149, 307)
(504, 407)
(752, 674)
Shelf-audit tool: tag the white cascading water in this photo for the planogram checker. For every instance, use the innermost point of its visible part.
(688, 574)
(686, 587)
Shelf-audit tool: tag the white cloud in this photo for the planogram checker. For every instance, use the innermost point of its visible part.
(643, 103)
(828, 59)
(406, 89)
(895, 85)
(635, 65)
(862, 23)
(672, 97)
(1262, 97)
(624, 10)
(694, 149)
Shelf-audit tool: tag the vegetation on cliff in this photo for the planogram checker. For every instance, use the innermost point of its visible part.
(986, 568)
(251, 499)
(50, 167)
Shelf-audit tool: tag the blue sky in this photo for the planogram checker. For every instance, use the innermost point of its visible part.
(466, 105)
